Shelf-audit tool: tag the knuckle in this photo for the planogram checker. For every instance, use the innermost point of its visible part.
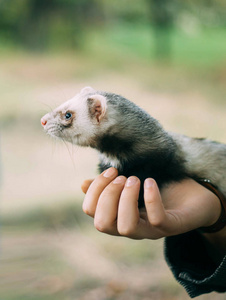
(106, 193)
(111, 188)
(100, 225)
(157, 222)
(126, 230)
(149, 200)
(87, 210)
(109, 192)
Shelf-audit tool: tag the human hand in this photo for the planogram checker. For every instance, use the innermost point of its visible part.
(181, 207)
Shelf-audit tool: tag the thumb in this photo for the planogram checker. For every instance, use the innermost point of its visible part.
(153, 202)
(86, 184)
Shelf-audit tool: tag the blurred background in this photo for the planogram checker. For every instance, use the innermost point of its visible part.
(169, 57)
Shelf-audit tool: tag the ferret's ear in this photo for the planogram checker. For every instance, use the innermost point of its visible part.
(97, 106)
(87, 89)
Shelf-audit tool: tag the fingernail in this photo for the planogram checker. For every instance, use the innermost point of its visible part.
(148, 183)
(118, 180)
(109, 172)
(131, 181)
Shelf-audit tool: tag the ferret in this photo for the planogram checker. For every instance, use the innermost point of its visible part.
(135, 143)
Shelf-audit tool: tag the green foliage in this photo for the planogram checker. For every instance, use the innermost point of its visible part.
(126, 11)
(202, 47)
(33, 23)
(41, 24)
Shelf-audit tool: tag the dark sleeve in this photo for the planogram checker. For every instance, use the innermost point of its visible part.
(186, 256)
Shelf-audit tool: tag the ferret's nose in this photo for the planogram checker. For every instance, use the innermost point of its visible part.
(43, 121)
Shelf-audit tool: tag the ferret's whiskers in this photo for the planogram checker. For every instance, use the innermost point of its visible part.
(70, 154)
(73, 148)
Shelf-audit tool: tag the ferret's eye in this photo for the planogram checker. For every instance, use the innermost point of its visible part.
(68, 115)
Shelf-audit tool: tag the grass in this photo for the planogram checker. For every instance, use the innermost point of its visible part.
(197, 59)
(205, 47)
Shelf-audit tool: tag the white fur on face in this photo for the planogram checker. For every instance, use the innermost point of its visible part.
(82, 128)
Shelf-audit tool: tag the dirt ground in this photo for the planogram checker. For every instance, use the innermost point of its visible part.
(70, 264)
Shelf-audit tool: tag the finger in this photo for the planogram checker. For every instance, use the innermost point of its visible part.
(107, 207)
(128, 212)
(94, 191)
(85, 185)
(153, 202)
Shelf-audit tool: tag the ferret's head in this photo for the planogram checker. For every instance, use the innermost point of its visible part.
(80, 119)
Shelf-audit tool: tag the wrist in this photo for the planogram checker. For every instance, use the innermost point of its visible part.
(215, 210)
(217, 205)
(214, 234)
